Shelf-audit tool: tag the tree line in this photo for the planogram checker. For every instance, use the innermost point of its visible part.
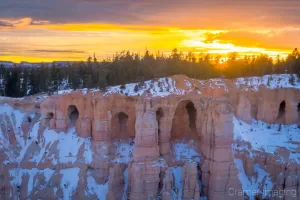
(127, 67)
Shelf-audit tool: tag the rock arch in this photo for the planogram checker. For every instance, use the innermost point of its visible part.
(119, 126)
(73, 115)
(184, 120)
(281, 112)
(48, 120)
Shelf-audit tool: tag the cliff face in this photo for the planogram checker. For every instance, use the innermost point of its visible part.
(170, 138)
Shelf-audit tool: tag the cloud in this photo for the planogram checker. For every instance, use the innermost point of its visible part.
(37, 22)
(6, 24)
(57, 51)
(188, 14)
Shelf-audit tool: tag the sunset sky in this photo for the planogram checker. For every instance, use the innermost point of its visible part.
(44, 30)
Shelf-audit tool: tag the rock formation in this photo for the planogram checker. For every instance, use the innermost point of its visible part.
(174, 138)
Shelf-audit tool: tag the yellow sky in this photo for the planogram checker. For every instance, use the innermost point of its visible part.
(48, 42)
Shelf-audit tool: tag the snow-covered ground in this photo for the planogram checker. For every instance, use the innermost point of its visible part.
(167, 86)
(268, 137)
(270, 81)
(259, 184)
(184, 150)
(160, 87)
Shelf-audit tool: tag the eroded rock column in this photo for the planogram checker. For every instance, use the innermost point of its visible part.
(219, 165)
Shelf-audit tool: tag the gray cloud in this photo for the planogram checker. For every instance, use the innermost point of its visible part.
(36, 22)
(5, 24)
(155, 12)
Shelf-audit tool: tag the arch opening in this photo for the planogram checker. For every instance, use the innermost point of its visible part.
(281, 111)
(73, 115)
(185, 142)
(184, 121)
(159, 115)
(192, 115)
(120, 126)
(49, 115)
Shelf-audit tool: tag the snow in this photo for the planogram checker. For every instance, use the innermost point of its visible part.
(124, 150)
(270, 81)
(185, 150)
(85, 91)
(17, 174)
(93, 187)
(68, 145)
(160, 87)
(216, 83)
(16, 116)
(268, 137)
(69, 181)
(188, 83)
(177, 171)
(125, 174)
(251, 185)
(67, 91)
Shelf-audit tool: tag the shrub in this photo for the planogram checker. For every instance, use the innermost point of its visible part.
(292, 80)
(136, 88)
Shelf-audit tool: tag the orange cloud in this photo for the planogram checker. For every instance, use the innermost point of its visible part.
(52, 40)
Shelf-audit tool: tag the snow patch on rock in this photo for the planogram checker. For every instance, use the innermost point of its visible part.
(268, 137)
(185, 150)
(259, 184)
(93, 187)
(177, 172)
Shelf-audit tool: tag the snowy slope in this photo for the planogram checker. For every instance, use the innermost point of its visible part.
(265, 138)
(268, 137)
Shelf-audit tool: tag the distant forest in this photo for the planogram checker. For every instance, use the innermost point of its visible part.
(127, 67)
